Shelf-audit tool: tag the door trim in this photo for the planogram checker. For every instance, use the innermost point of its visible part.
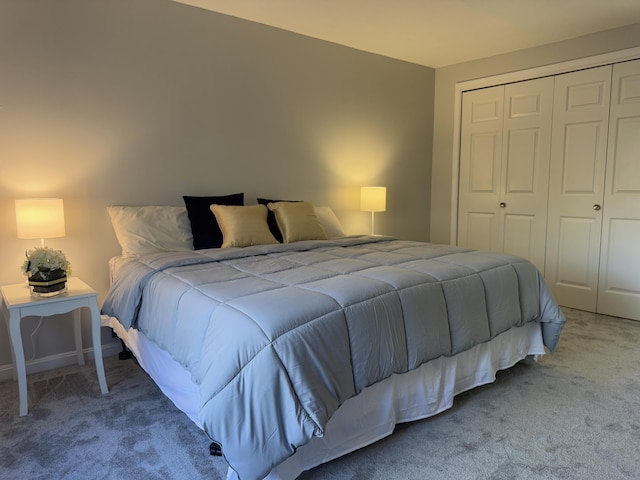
(504, 78)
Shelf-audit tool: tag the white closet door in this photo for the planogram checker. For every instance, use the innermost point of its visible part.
(619, 285)
(576, 182)
(504, 168)
(525, 173)
(480, 168)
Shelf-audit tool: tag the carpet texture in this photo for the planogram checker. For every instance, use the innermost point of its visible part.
(74, 432)
(574, 415)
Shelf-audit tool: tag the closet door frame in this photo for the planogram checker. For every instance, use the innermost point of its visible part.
(495, 80)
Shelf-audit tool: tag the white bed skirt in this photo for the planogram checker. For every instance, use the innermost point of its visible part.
(371, 415)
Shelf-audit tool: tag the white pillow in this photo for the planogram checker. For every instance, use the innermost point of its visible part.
(151, 229)
(329, 222)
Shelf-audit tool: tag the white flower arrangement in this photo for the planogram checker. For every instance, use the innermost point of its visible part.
(45, 259)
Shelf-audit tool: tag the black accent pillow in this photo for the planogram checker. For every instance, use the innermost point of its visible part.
(204, 227)
(271, 217)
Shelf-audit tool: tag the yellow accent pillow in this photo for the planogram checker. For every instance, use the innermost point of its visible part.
(297, 221)
(243, 226)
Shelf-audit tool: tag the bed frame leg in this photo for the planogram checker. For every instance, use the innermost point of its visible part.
(125, 354)
(215, 449)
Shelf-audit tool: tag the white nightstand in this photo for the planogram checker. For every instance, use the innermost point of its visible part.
(19, 303)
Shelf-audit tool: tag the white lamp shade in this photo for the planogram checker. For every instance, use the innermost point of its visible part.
(40, 218)
(373, 199)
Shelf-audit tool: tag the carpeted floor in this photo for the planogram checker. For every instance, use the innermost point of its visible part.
(574, 415)
(74, 432)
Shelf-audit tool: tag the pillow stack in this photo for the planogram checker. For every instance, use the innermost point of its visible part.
(220, 222)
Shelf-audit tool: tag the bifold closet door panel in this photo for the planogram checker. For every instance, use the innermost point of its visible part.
(480, 169)
(619, 281)
(525, 172)
(504, 168)
(576, 185)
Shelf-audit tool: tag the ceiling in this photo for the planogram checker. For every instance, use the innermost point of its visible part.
(434, 33)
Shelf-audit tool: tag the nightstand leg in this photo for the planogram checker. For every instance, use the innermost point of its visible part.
(14, 372)
(97, 347)
(18, 355)
(77, 330)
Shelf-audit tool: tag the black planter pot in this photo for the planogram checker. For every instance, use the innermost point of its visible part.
(48, 282)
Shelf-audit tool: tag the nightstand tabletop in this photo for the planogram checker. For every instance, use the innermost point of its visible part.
(19, 294)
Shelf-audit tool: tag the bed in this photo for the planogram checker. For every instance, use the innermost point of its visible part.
(291, 354)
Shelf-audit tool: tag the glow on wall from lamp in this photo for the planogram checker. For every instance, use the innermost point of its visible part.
(54, 152)
(356, 154)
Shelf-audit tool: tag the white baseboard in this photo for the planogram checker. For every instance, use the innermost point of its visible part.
(59, 360)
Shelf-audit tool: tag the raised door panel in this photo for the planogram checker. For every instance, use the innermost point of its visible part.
(625, 167)
(619, 285)
(576, 185)
(480, 164)
(526, 154)
(581, 169)
(483, 228)
(621, 274)
(519, 234)
(522, 156)
(577, 239)
(484, 155)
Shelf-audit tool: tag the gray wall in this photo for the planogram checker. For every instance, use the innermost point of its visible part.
(447, 77)
(142, 101)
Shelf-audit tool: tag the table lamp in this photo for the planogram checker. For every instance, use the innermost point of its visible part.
(373, 199)
(40, 218)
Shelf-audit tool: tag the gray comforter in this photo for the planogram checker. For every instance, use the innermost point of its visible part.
(278, 336)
